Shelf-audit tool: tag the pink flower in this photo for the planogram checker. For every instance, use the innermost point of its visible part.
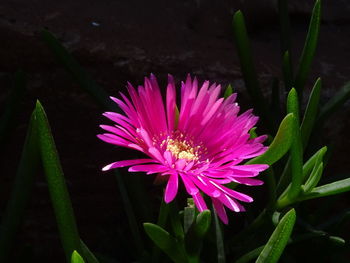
(202, 145)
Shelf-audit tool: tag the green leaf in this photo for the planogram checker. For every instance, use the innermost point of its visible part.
(57, 185)
(202, 225)
(334, 188)
(189, 214)
(28, 167)
(278, 240)
(12, 107)
(165, 242)
(281, 143)
(310, 164)
(334, 103)
(247, 65)
(309, 49)
(252, 133)
(296, 149)
(228, 91)
(313, 179)
(310, 112)
(77, 72)
(76, 258)
(195, 235)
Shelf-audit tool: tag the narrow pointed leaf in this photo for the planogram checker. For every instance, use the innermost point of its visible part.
(334, 188)
(165, 242)
(310, 164)
(12, 107)
(76, 258)
(280, 144)
(296, 149)
(57, 186)
(77, 72)
(278, 240)
(314, 178)
(309, 49)
(228, 91)
(310, 112)
(28, 167)
(247, 66)
(334, 103)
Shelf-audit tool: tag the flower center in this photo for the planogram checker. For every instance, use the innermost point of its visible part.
(182, 147)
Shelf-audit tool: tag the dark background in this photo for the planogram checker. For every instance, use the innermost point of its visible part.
(118, 41)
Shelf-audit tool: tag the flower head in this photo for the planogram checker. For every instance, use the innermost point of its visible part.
(203, 144)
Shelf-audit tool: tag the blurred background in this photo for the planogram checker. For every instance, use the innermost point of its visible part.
(118, 41)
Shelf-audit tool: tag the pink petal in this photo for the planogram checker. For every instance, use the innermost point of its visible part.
(247, 181)
(126, 163)
(149, 168)
(220, 210)
(199, 202)
(171, 188)
(189, 185)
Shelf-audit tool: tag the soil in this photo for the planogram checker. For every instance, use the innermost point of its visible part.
(120, 41)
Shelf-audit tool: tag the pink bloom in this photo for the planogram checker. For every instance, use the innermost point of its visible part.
(203, 144)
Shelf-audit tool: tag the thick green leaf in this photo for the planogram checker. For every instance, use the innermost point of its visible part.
(309, 49)
(57, 185)
(202, 225)
(77, 72)
(278, 240)
(310, 112)
(281, 143)
(247, 66)
(310, 164)
(28, 167)
(12, 107)
(313, 179)
(334, 188)
(195, 235)
(76, 258)
(296, 149)
(228, 91)
(334, 103)
(166, 242)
